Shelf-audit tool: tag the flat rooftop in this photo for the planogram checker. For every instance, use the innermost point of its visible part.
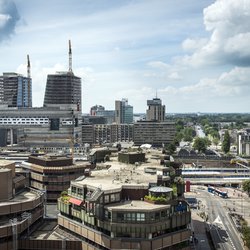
(136, 206)
(21, 197)
(117, 176)
(4, 162)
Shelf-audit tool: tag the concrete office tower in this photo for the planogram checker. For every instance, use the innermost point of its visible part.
(155, 111)
(64, 89)
(123, 112)
(17, 90)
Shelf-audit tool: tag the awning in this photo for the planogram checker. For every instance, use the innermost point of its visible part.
(75, 201)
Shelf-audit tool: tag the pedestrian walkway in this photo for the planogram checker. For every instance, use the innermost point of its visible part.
(199, 238)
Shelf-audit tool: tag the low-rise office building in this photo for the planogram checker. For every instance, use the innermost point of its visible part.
(131, 157)
(53, 173)
(113, 210)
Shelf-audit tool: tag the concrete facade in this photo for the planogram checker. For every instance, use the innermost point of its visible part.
(154, 133)
(58, 126)
(156, 111)
(53, 173)
(108, 211)
(243, 143)
(21, 208)
(131, 157)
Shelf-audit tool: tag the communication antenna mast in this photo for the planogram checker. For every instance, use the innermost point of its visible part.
(29, 104)
(70, 57)
(28, 66)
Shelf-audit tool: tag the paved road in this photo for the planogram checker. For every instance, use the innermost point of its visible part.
(222, 228)
(199, 131)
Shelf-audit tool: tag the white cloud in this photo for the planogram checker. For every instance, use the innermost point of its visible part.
(228, 22)
(159, 65)
(193, 44)
(174, 76)
(228, 84)
(133, 48)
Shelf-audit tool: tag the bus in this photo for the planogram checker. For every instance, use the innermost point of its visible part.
(217, 191)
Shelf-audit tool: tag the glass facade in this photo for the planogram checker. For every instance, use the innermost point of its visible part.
(24, 92)
(123, 112)
(17, 90)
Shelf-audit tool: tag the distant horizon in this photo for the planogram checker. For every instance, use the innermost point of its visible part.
(201, 113)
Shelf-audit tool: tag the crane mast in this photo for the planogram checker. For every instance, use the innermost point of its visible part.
(29, 82)
(70, 57)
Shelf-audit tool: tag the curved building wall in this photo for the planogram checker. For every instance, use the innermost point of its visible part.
(5, 184)
(63, 88)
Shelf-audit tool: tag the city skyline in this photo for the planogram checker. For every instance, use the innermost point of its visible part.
(193, 54)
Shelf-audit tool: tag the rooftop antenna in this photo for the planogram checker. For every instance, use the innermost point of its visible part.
(70, 57)
(28, 66)
(156, 94)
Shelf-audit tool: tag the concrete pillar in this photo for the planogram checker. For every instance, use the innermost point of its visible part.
(11, 137)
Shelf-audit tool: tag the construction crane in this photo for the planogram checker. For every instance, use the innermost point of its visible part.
(28, 66)
(70, 57)
(29, 82)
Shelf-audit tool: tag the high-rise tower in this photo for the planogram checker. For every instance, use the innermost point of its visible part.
(123, 112)
(155, 111)
(16, 90)
(63, 88)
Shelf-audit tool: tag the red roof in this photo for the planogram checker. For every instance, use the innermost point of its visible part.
(75, 201)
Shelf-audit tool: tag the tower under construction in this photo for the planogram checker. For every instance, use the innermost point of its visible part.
(63, 88)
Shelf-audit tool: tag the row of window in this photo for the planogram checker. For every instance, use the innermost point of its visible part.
(75, 190)
(24, 118)
(139, 217)
(108, 198)
(23, 122)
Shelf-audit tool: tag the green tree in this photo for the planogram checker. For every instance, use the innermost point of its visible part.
(179, 125)
(200, 144)
(216, 141)
(171, 148)
(246, 186)
(188, 134)
(178, 138)
(226, 142)
(204, 121)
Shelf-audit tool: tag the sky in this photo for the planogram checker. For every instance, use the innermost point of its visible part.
(194, 55)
